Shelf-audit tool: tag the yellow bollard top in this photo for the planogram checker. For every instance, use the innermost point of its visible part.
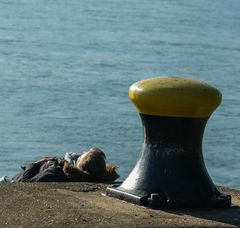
(174, 97)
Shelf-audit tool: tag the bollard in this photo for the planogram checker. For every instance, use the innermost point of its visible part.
(171, 172)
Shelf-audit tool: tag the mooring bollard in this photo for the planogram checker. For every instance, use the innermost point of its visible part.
(171, 172)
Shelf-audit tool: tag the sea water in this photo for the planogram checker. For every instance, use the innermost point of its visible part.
(66, 67)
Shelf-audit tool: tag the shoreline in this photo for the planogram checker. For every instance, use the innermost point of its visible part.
(84, 205)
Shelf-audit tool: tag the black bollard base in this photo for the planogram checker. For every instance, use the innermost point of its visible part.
(171, 172)
(159, 201)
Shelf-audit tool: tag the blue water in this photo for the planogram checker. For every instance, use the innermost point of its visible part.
(66, 66)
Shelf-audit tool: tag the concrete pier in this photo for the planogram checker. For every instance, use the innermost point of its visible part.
(84, 205)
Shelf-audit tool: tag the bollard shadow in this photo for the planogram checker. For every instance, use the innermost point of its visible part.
(230, 216)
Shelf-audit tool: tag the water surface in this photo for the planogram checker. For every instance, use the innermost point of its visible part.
(66, 66)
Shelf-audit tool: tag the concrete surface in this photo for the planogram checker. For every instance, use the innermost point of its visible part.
(84, 205)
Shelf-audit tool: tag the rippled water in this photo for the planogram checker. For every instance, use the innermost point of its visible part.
(66, 66)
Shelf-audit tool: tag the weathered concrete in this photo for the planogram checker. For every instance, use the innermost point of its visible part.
(83, 205)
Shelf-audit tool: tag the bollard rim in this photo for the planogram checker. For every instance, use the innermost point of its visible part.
(175, 97)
